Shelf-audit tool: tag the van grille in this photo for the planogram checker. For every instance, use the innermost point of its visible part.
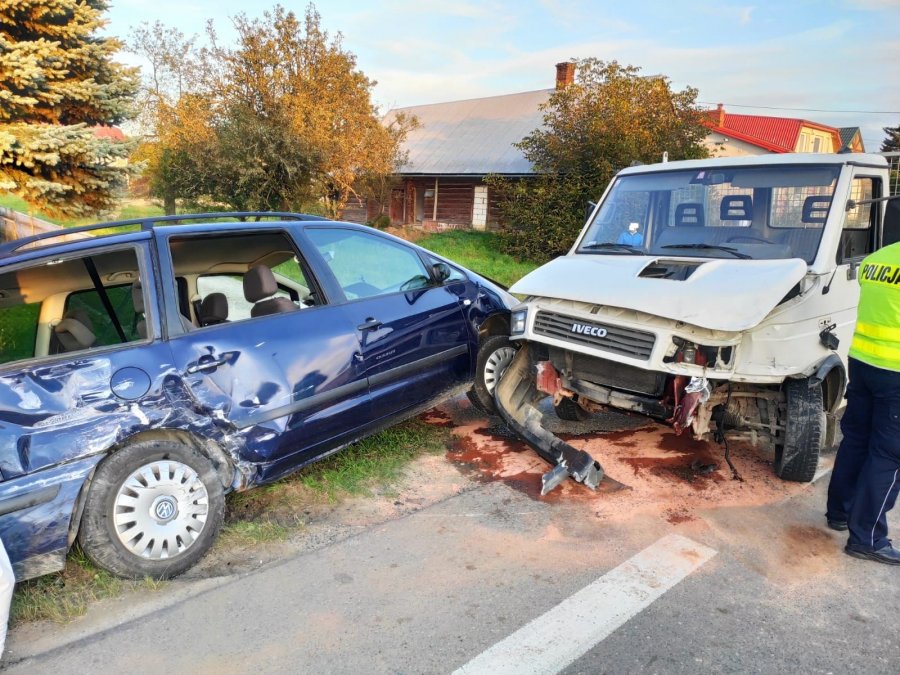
(618, 340)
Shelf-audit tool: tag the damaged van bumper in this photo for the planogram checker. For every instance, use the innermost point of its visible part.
(520, 389)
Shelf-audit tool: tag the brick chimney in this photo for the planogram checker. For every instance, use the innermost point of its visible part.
(721, 110)
(565, 74)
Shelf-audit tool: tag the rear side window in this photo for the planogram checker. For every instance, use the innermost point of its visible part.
(18, 331)
(56, 306)
(88, 303)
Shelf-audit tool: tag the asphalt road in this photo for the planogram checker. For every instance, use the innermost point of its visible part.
(431, 591)
(470, 570)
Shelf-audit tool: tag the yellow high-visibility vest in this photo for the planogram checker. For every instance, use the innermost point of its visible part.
(876, 340)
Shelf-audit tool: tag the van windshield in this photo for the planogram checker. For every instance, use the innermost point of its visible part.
(763, 213)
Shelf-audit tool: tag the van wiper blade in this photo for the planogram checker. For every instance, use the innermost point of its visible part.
(613, 247)
(727, 249)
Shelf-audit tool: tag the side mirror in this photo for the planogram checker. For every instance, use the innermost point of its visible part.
(441, 272)
(589, 209)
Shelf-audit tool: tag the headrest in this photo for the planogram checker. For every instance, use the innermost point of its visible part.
(689, 214)
(137, 297)
(736, 207)
(815, 209)
(81, 336)
(213, 309)
(259, 283)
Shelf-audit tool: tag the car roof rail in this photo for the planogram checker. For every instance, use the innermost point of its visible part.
(149, 222)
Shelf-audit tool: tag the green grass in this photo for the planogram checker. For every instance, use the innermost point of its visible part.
(478, 251)
(63, 596)
(246, 533)
(376, 461)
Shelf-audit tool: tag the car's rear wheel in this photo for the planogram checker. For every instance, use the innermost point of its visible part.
(154, 509)
(804, 420)
(494, 356)
(567, 409)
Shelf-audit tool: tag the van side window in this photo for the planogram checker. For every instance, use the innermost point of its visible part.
(857, 236)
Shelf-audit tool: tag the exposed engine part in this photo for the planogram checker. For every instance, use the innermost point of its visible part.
(720, 436)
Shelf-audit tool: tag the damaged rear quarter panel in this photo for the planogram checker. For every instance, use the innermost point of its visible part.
(59, 419)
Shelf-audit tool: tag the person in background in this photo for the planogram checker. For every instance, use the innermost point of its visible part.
(866, 476)
(632, 237)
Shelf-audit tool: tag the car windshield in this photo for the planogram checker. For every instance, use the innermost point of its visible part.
(763, 213)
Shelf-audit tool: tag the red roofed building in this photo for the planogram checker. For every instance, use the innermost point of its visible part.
(733, 135)
(111, 133)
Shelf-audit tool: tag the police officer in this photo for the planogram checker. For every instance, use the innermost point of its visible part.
(866, 476)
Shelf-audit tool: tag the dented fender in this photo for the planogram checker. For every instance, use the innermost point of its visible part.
(516, 397)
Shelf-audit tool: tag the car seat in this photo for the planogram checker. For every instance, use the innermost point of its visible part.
(259, 287)
(73, 333)
(213, 310)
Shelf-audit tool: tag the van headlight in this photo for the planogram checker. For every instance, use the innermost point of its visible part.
(517, 322)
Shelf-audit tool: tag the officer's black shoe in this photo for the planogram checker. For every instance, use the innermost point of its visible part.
(887, 555)
(839, 525)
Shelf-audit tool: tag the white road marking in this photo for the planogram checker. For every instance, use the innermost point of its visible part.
(554, 640)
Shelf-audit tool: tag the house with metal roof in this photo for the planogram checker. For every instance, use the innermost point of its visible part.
(734, 135)
(851, 137)
(456, 145)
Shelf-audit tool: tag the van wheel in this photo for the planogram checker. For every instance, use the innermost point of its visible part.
(569, 410)
(797, 458)
(494, 356)
(153, 510)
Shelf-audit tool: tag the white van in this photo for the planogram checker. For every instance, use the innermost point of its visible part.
(717, 295)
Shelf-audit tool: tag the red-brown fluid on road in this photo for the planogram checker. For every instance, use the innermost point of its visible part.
(648, 469)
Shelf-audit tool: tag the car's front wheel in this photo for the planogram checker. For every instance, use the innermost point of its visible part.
(494, 356)
(154, 509)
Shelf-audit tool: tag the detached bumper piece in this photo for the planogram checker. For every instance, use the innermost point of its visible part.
(516, 396)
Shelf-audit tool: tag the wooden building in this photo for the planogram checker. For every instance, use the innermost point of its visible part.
(456, 145)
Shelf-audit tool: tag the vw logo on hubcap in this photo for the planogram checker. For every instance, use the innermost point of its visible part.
(164, 509)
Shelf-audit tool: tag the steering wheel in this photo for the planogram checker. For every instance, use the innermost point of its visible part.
(747, 237)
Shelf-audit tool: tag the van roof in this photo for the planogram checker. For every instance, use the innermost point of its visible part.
(785, 159)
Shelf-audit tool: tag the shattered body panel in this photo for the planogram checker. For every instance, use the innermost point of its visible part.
(516, 397)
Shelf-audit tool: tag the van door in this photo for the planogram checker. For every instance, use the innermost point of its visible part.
(859, 237)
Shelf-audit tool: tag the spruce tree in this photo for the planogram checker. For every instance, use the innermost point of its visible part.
(58, 79)
(891, 142)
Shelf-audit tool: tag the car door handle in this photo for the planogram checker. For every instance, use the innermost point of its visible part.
(211, 364)
(369, 324)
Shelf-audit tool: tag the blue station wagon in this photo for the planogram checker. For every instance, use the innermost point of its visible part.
(146, 372)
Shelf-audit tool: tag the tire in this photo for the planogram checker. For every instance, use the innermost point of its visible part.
(797, 457)
(144, 480)
(570, 411)
(494, 355)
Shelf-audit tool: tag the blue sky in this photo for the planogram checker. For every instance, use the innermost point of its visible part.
(829, 55)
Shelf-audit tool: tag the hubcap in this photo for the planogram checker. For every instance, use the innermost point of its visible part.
(496, 365)
(160, 509)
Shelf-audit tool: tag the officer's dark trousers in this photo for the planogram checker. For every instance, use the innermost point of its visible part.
(866, 476)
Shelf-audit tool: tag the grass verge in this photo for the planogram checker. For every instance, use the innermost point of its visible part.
(480, 252)
(267, 514)
(64, 595)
